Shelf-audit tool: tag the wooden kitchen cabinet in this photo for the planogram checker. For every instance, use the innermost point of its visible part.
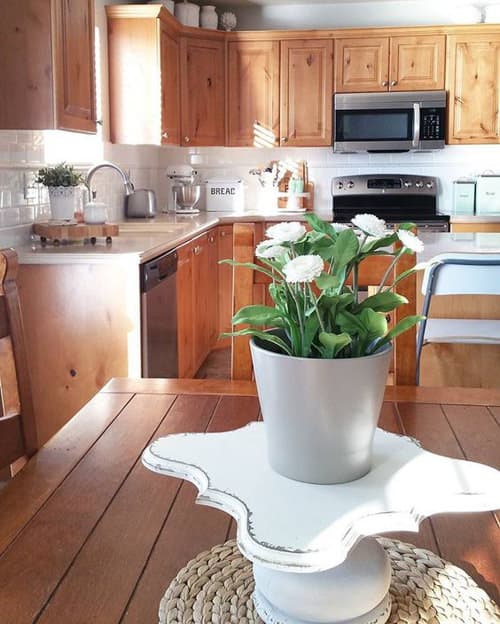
(47, 68)
(306, 92)
(82, 327)
(185, 312)
(213, 280)
(473, 81)
(144, 88)
(253, 93)
(202, 91)
(225, 283)
(399, 63)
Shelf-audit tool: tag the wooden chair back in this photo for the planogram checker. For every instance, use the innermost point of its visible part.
(18, 437)
(250, 287)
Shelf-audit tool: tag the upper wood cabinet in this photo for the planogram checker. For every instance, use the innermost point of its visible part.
(473, 80)
(306, 92)
(202, 91)
(400, 63)
(143, 77)
(253, 93)
(47, 67)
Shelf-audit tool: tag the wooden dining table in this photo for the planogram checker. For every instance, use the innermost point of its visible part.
(89, 535)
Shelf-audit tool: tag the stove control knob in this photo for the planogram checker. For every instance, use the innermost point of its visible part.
(350, 184)
(407, 183)
(340, 185)
(419, 184)
(429, 185)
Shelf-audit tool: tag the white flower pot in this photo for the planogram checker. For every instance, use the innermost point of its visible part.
(62, 202)
(320, 414)
(208, 17)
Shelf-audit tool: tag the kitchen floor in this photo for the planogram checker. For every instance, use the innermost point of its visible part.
(217, 365)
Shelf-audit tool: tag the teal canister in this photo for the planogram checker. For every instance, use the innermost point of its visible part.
(464, 197)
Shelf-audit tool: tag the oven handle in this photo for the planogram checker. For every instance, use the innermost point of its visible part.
(416, 125)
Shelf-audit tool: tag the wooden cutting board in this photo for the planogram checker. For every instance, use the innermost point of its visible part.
(59, 232)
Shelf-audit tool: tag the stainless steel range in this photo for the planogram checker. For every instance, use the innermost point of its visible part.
(392, 197)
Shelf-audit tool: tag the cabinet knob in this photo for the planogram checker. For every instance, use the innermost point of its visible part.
(197, 250)
(164, 135)
(211, 239)
(284, 139)
(394, 83)
(384, 83)
(186, 139)
(224, 233)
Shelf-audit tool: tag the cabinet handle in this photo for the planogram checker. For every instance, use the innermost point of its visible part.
(224, 233)
(211, 239)
(394, 83)
(384, 83)
(284, 139)
(164, 135)
(186, 139)
(197, 250)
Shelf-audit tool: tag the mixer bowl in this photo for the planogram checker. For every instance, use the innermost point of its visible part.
(188, 195)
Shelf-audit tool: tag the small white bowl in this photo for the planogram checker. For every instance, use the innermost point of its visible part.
(94, 213)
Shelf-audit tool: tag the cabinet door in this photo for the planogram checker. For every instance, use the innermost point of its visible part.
(201, 300)
(202, 89)
(306, 92)
(253, 93)
(225, 281)
(170, 88)
(74, 65)
(473, 81)
(361, 64)
(185, 317)
(213, 289)
(417, 63)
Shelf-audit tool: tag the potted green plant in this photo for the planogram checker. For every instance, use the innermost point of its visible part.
(321, 372)
(61, 180)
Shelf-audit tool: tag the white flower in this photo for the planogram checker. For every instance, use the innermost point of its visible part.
(370, 224)
(288, 232)
(410, 241)
(303, 268)
(267, 249)
(340, 227)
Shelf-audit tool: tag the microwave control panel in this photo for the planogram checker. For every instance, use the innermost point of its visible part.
(432, 124)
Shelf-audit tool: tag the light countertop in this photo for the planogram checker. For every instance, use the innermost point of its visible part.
(446, 242)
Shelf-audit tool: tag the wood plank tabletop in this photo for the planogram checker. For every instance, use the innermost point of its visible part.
(87, 534)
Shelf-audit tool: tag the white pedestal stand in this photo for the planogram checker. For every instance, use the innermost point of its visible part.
(313, 560)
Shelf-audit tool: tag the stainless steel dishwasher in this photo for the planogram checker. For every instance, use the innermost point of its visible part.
(159, 316)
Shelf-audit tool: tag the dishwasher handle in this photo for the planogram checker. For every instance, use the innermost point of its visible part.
(155, 271)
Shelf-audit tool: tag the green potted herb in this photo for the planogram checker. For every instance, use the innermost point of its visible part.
(61, 180)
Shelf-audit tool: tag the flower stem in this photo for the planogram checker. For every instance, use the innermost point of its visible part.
(389, 268)
(299, 315)
(315, 301)
(355, 269)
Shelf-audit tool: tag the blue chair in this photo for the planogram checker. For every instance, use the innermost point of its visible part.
(459, 274)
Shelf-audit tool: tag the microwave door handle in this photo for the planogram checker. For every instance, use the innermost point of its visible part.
(416, 125)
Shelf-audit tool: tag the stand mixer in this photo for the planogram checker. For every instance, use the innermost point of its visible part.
(184, 191)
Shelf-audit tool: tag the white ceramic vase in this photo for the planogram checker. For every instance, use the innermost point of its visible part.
(62, 202)
(320, 414)
(208, 17)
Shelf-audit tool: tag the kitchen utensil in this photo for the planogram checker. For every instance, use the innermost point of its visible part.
(187, 195)
(94, 212)
(141, 204)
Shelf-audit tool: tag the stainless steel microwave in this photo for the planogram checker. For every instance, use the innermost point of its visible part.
(389, 122)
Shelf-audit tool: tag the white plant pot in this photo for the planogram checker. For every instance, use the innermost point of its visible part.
(62, 202)
(320, 414)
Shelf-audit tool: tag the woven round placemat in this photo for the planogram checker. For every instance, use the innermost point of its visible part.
(216, 587)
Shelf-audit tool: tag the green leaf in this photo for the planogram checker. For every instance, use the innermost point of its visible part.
(404, 325)
(346, 249)
(375, 324)
(407, 226)
(325, 281)
(385, 241)
(350, 323)
(402, 276)
(258, 315)
(267, 336)
(249, 265)
(335, 342)
(383, 301)
(318, 225)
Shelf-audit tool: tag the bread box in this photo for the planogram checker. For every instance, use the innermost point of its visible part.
(224, 195)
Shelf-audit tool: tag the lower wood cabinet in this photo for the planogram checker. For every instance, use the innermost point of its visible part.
(197, 302)
(225, 283)
(473, 226)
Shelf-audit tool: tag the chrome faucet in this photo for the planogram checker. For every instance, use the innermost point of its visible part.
(129, 187)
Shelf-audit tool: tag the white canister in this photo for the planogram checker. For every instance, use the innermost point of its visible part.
(187, 13)
(223, 195)
(168, 4)
(208, 17)
(94, 212)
